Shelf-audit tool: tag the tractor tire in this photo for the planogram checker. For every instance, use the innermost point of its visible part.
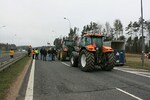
(62, 55)
(110, 62)
(86, 61)
(74, 60)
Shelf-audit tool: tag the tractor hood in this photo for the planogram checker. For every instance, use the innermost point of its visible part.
(107, 49)
(92, 47)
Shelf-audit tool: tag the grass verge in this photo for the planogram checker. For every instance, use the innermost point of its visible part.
(134, 61)
(8, 76)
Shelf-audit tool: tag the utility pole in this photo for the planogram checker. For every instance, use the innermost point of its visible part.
(142, 34)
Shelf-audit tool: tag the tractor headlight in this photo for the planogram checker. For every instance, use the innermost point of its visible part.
(65, 49)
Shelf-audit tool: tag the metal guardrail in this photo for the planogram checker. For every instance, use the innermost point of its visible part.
(6, 63)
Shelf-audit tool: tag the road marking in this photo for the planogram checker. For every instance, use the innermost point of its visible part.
(29, 91)
(129, 94)
(65, 64)
(133, 72)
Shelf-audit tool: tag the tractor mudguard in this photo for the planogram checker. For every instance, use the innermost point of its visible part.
(106, 49)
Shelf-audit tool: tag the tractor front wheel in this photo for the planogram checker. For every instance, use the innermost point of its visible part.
(86, 61)
(109, 63)
(74, 60)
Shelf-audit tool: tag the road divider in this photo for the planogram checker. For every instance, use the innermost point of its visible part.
(9, 62)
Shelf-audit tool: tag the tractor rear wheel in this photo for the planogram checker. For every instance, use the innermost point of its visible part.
(109, 62)
(86, 61)
(73, 60)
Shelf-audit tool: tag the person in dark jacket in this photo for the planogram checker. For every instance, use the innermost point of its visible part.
(44, 54)
(41, 53)
(50, 54)
(29, 52)
(53, 53)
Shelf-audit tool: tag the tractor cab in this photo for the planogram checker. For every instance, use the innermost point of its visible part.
(92, 40)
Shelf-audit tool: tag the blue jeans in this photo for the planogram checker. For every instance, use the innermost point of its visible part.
(50, 57)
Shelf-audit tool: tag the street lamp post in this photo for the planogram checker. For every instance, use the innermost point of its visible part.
(69, 23)
(54, 31)
(142, 33)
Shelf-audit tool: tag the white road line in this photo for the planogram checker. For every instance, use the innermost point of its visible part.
(29, 91)
(65, 64)
(133, 72)
(129, 94)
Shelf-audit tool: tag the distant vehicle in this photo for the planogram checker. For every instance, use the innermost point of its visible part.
(24, 51)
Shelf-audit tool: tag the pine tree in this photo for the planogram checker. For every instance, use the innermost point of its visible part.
(128, 44)
(147, 24)
(108, 28)
(132, 29)
(118, 28)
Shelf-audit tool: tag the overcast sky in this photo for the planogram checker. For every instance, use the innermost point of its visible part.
(36, 22)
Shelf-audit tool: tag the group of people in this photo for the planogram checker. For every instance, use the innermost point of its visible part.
(49, 54)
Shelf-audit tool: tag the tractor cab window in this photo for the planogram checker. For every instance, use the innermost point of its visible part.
(97, 40)
(87, 40)
(82, 43)
(69, 43)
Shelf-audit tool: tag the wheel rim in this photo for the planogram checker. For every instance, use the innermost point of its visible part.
(72, 60)
(83, 60)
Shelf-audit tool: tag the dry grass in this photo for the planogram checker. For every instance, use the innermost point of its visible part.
(8, 76)
(134, 60)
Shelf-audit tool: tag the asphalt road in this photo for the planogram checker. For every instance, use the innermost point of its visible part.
(56, 80)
